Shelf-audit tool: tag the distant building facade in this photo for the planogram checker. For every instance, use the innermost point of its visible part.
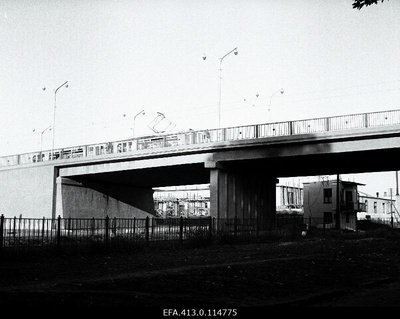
(182, 201)
(377, 208)
(195, 201)
(289, 200)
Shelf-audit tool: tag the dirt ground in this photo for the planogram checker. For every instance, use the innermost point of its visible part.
(314, 272)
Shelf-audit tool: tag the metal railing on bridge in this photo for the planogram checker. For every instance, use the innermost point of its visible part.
(307, 126)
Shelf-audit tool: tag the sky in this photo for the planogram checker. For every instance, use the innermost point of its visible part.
(124, 56)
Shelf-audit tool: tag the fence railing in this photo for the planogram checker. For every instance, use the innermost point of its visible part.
(22, 234)
(391, 221)
(30, 234)
(307, 126)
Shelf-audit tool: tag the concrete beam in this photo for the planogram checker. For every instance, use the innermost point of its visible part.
(134, 164)
(312, 147)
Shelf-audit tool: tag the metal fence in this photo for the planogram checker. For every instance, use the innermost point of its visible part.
(391, 222)
(32, 235)
(18, 234)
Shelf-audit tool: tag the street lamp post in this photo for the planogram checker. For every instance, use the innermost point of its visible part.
(54, 114)
(270, 102)
(41, 141)
(134, 119)
(220, 84)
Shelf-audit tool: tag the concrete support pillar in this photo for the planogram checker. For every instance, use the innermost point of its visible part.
(246, 195)
(54, 187)
(214, 192)
(271, 203)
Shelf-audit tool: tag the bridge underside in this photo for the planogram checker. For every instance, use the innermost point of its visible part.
(289, 166)
(325, 164)
(245, 193)
(242, 178)
(238, 188)
(151, 177)
(126, 194)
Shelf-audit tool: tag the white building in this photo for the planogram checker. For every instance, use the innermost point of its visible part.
(377, 208)
(324, 199)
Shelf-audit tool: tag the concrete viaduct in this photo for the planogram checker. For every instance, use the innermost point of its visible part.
(242, 174)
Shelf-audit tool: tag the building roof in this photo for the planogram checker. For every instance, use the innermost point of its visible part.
(334, 181)
(349, 183)
(375, 197)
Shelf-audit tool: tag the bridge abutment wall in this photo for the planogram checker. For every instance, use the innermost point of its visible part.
(98, 200)
(27, 191)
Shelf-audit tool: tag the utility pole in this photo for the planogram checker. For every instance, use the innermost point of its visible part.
(391, 207)
(338, 201)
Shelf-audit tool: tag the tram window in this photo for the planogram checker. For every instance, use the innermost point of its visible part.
(109, 148)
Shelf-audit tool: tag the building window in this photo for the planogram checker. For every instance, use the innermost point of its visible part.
(375, 207)
(290, 197)
(328, 218)
(349, 196)
(327, 195)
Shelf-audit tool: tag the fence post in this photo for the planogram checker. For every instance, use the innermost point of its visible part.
(147, 228)
(114, 229)
(181, 229)
(210, 226)
(1, 232)
(93, 226)
(58, 231)
(43, 224)
(107, 221)
(14, 228)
